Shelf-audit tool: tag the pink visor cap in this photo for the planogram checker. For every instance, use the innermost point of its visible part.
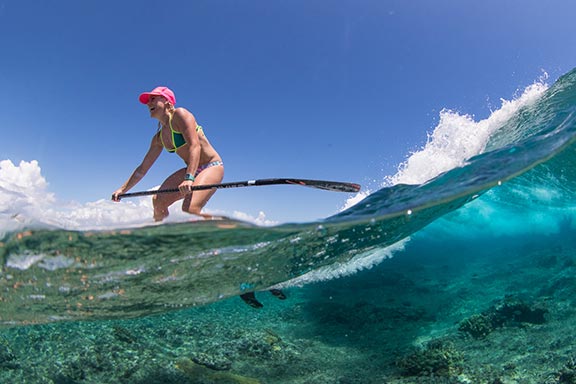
(158, 91)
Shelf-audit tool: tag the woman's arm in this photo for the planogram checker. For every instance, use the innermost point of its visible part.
(149, 159)
(186, 124)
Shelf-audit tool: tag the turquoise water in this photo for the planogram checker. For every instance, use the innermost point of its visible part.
(465, 278)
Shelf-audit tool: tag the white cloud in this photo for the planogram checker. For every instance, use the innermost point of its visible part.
(22, 185)
(260, 220)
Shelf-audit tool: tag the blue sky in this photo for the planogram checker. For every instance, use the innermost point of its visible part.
(340, 90)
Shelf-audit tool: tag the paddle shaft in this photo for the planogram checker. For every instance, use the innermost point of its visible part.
(336, 186)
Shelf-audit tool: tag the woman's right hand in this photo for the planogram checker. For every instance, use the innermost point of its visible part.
(115, 195)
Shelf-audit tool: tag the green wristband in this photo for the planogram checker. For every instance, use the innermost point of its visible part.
(189, 176)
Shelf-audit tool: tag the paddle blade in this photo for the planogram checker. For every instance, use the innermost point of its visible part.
(336, 186)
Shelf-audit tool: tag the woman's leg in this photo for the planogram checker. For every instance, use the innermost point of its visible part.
(195, 201)
(161, 202)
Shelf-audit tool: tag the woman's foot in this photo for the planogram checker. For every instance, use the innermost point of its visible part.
(250, 299)
(278, 293)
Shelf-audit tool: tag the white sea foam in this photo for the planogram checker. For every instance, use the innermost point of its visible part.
(455, 139)
(458, 137)
(365, 260)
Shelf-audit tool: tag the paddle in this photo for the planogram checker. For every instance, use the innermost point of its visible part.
(336, 186)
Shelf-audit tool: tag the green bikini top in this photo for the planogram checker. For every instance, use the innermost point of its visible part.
(177, 137)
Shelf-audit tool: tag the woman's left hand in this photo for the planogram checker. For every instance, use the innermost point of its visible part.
(185, 187)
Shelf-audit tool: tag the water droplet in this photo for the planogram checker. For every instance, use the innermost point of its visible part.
(321, 230)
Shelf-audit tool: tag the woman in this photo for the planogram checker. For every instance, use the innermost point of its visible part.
(178, 132)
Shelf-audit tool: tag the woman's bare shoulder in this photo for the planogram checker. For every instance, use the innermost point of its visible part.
(184, 119)
(182, 112)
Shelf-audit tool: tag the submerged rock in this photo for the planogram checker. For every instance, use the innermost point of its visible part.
(214, 362)
(437, 358)
(7, 357)
(478, 326)
(205, 375)
(508, 311)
